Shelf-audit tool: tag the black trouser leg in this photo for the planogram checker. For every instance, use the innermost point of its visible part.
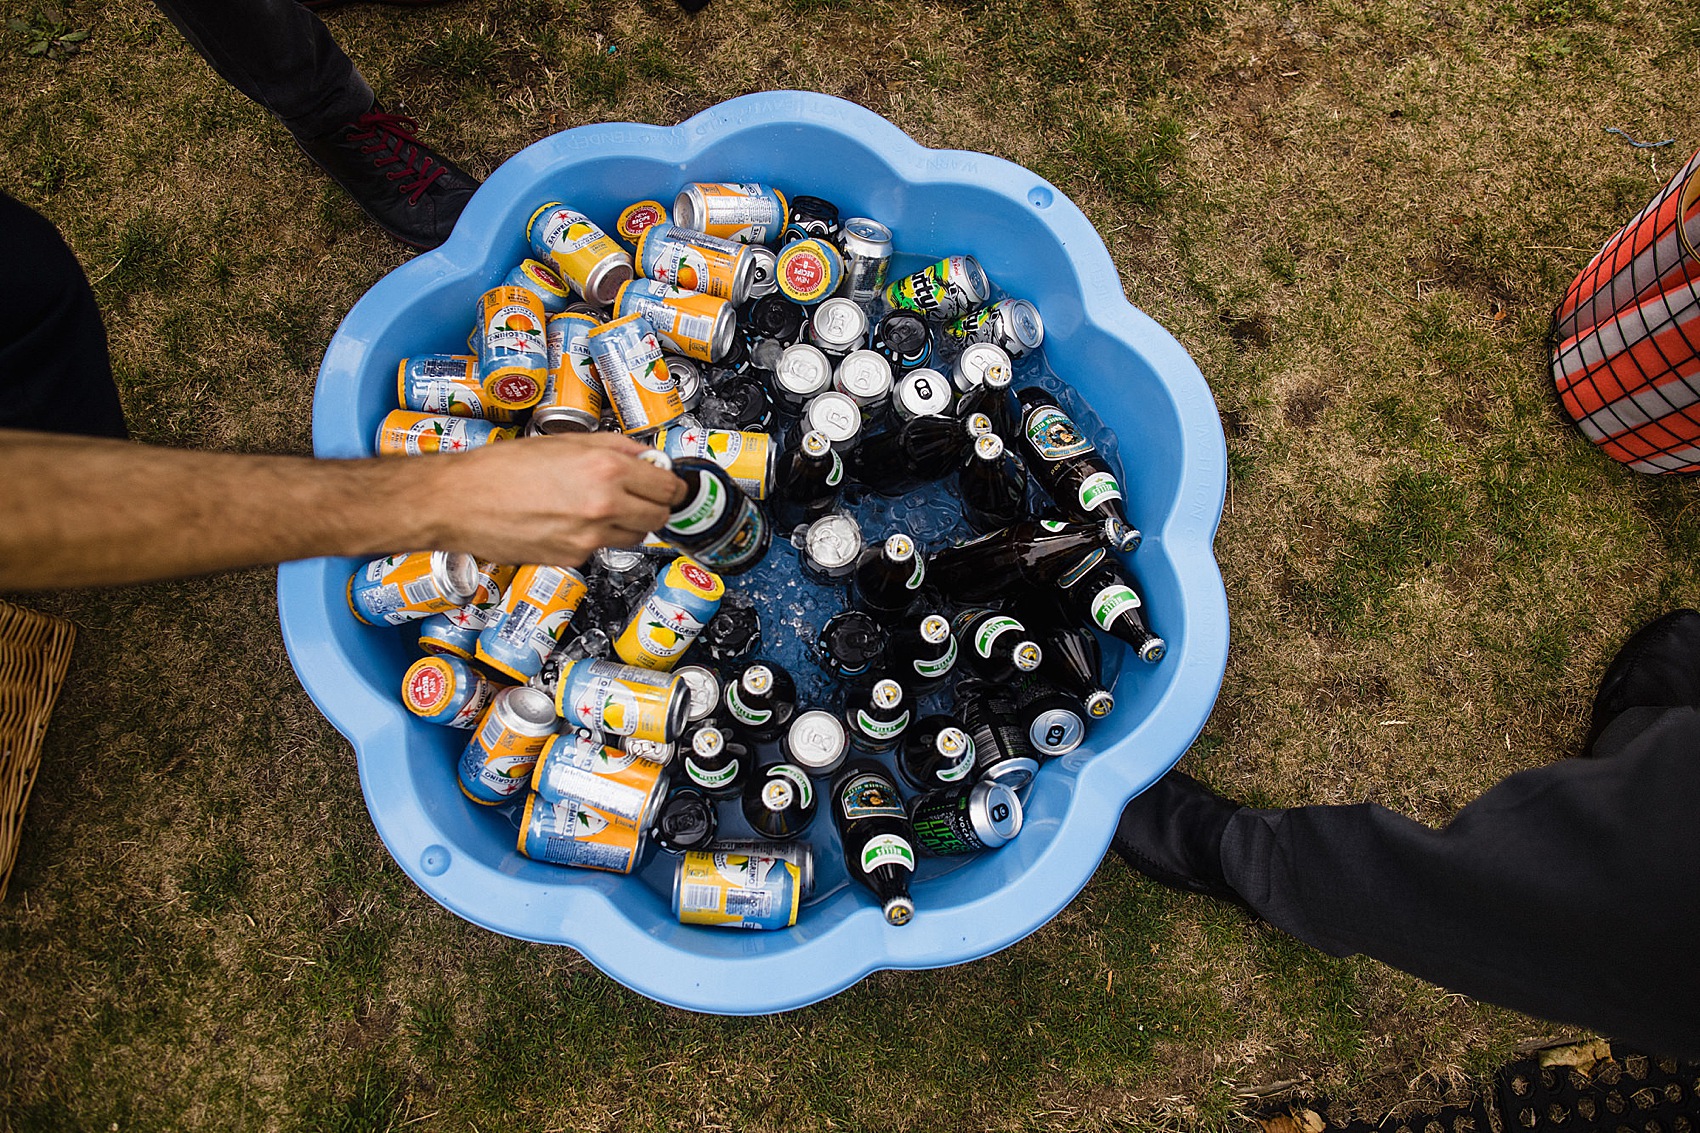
(278, 54)
(1570, 892)
(55, 375)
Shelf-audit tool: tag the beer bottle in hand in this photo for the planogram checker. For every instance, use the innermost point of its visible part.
(879, 843)
(1029, 553)
(1105, 596)
(996, 646)
(888, 576)
(1067, 465)
(779, 802)
(807, 482)
(993, 486)
(718, 525)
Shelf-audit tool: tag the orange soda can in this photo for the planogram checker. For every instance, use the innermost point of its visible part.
(637, 219)
(590, 261)
(542, 281)
(445, 383)
(741, 211)
(641, 391)
(499, 758)
(529, 623)
(573, 395)
(686, 322)
(447, 691)
(566, 833)
(406, 433)
(405, 588)
(456, 633)
(577, 766)
(513, 355)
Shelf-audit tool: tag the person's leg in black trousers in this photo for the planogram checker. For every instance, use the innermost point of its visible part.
(1570, 891)
(283, 57)
(55, 375)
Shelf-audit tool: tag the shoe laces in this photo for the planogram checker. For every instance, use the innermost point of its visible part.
(390, 140)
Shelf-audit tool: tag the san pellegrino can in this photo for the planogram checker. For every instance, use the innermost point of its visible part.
(543, 281)
(513, 354)
(405, 588)
(456, 632)
(403, 432)
(585, 255)
(445, 690)
(529, 623)
(671, 615)
(573, 395)
(499, 758)
(809, 271)
(736, 889)
(686, 322)
(623, 700)
(696, 261)
(743, 211)
(578, 767)
(446, 384)
(566, 833)
(641, 391)
(748, 454)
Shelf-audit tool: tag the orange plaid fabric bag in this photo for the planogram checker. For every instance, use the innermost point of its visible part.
(1626, 337)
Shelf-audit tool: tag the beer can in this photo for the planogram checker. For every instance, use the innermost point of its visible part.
(542, 281)
(866, 245)
(445, 690)
(671, 615)
(403, 432)
(592, 264)
(764, 272)
(864, 377)
(578, 767)
(802, 372)
(749, 455)
(686, 322)
(636, 219)
(696, 261)
(799, 854)
(903, 339)
(627, 355)
(569, 834)
(741, 211)
(830, 545)
(513, 352)
(405, 588)
(688, 376)
(446, 384)
(838, 326)
(622, 700)
(837, 416)
(499, 758)
(809, 271)
(730, 889)
(966, 821)
(976, 361)
(816, 741)
(943, 291)
(922, 393)
(573, 395)
(529, 623)
(703, 687)
(1013, 324)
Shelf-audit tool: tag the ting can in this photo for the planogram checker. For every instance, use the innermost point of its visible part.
(943, 291)
(542, 281)
(866, 245)
(696, 261)
(838, 326)
(573, 395)
(405, 433)
(405, 588)
(1013, 324)
(577, 767)
(446, 384)
(734, 889)
(446, 690)
(566, 833)
(809, 270)
(636, 219)
(499, 758)
(802, 372)
(670, 616)
(513, 351)
(741, 211)
(592, 264)
(529, 623)
(686, 322)
(748, 455)
(627, 355)
(623, 700)
(966, 821)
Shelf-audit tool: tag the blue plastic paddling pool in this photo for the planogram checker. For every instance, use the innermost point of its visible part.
(1030, 238)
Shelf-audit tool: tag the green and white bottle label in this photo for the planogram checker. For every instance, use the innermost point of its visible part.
(887, 849)
(704, 511)
(931, 669)
(1098, 487)
(797, 779)
(990, 630)
(711, 779)
(743, 711)
(881, 729)
(837, 473)
(1111, 602)
(918, 574)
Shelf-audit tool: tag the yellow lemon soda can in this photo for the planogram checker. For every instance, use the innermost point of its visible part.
(671, 615)
(592, 264)
(623, 700)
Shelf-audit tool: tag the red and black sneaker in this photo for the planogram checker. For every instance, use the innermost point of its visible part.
(412, 191)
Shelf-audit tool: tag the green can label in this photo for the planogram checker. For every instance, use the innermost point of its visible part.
(1111, 602)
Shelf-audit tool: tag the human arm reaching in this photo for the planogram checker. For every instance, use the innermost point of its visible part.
(78, 511)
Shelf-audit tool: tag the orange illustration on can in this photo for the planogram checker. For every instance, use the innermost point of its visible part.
(405, 433)
(687, 322)
(513, 356)
(589, 259)
(643, 393)
(573, 396)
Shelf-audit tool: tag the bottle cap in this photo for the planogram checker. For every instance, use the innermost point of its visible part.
(757, 679)
(899, 548)
(988, 446)
(1100, 704)
(1027, 656)
(1152, 651)
(887, 694)
(777, 794)
(708, 742)
(898, 910)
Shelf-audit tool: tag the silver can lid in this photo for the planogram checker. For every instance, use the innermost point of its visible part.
(604, 280)
(1022, 324)
(1014, 773)
(688, 377)
(457, 574)
(704, 689)
(976, 358)
(994, 809)
(527, 710)
(1056, 731)
(685, 211)
(886, 694)
(839, 325)
(802, 371)
(832, 542)
(922, 393)
(764, 271)
(865, 376)
(817, 740)
(988, 446)
(725, 330)
(865, 238)
(836, 415)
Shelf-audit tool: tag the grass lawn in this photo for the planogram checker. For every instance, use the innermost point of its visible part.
(1356, 214)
